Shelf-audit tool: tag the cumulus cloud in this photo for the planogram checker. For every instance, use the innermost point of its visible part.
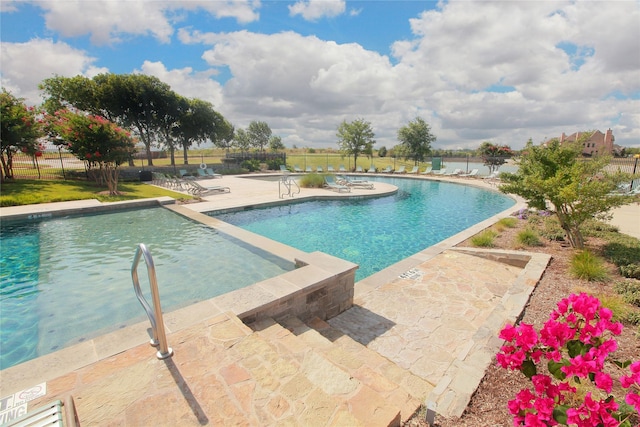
(110, 22)
(312, 10)
(286, 75)
(186, 82)
(25, 65)
(475, 71)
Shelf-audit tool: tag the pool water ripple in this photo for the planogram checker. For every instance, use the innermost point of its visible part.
(66, 280)
(375, 233)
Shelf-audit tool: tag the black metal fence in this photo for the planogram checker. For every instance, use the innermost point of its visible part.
(59, 164)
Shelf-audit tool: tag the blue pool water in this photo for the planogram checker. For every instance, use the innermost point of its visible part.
(66, 280)
(375, 233)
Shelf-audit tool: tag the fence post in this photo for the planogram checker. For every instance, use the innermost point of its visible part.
(64, 176)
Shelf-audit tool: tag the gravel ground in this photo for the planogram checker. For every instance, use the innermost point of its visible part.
(488, 406)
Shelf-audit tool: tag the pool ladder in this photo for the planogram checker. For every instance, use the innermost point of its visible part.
(155, 315)
(288, 183)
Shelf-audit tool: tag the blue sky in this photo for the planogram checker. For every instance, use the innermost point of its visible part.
(501, 71)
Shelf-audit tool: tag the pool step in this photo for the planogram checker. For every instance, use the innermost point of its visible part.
(395, 384)
(363, 403)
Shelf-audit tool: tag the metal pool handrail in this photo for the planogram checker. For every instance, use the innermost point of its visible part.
(155, 315)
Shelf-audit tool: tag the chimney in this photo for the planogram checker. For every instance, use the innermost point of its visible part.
(608, 141)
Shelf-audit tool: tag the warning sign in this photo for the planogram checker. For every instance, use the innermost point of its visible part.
(15, 405)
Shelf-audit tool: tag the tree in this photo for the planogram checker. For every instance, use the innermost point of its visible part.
(134, 101)
(195, 123)
(355, 138)
(493, 155)
(382, 152)
(225, 135)
(19, 131)
(259, 134)
(275, 143)
(578, 189)
(242, 141)
(416, 139)
(100, 143)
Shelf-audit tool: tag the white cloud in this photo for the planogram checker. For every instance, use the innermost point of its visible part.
(25, 65)
(186, 82)
(452, 72)
(313, 10)
(110, 22)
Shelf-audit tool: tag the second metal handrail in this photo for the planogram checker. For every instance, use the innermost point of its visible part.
(155, 315)
(288, 182)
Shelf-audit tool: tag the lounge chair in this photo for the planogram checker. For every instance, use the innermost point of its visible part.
(330, 169)
(185, 175)
(201, 191)
(401, 169)
(283, 168)
(330, 183)
(427, 171)
(308, 169)
(297, 169)
(372, 169)
(354, 182)
(319, 169)
(342, 169)
(202, 173)
(212, 174)
(442, 171)
(359, 169)
(493, 175)
(414, 170)
(388, 169)
(474, 172)
(455, 172)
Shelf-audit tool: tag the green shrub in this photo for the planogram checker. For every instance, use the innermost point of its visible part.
(587, 266)
(312, 180)
(274, 164)
(624, 252)
(509, 222)
(484, 239)
(631, 271)
(551, 229)
(252, 165)
(630, 291)
(528, 237)
(620, 309)
(597, 228)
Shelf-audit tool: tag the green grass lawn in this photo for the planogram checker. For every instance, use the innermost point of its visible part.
(28, 192)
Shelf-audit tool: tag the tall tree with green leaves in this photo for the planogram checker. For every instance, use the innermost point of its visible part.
(19, 131)
(197, 122)
(275, 143)
(259, 134)
(577, 189)
(225, 135)
(416, 139)
(355, 138)
(134, 101)
(241, 140)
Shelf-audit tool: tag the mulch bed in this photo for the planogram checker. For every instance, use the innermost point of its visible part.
(488, 406)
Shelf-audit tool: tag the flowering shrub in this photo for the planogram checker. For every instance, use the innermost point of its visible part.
(19, 131)
(100, 143)
(494, 155)
(575, 341)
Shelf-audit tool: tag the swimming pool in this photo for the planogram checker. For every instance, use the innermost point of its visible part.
(375, 232)
(66, 280)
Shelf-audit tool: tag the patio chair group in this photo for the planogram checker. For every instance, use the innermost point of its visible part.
(188, 183)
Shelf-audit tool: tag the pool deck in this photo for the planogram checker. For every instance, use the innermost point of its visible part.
(422, 331)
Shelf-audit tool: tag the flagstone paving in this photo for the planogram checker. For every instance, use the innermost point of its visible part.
(423, 331)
